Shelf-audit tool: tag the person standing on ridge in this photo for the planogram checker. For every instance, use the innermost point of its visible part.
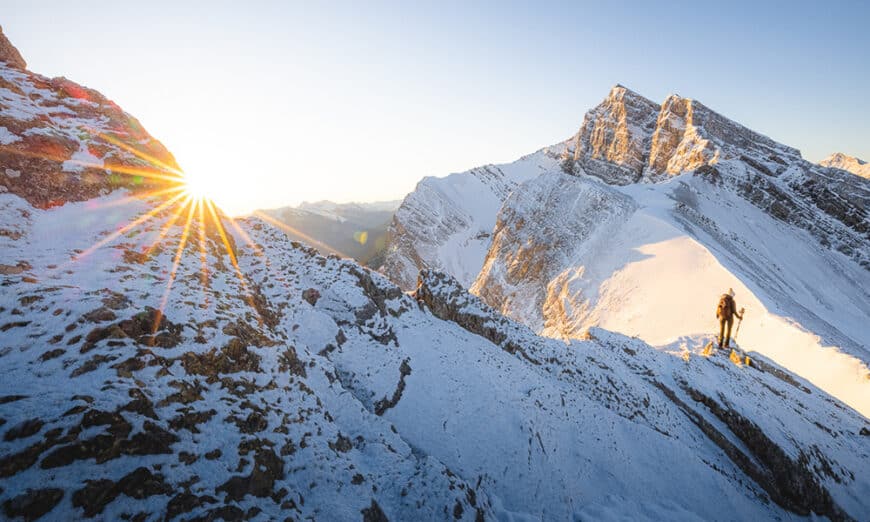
(725, 312)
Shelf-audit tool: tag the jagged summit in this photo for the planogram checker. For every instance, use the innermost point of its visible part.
(9, 53)
(841, 161)
(628, 138)
(614, 138)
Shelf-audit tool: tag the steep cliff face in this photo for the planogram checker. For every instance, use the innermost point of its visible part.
(61, 142)
(841, 161)
(613, 141)
(446, 223)
(545, 224)
(689, 135)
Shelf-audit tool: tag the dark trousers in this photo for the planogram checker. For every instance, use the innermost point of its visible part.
(725, 331)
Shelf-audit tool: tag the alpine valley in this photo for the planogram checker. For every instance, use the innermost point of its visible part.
(535, 356)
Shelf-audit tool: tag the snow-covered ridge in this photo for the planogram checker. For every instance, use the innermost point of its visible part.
(319, 389)
(445, 223)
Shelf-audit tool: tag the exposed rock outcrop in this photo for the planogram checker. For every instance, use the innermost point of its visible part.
(61, 142)
(614, 140)
(9, 54)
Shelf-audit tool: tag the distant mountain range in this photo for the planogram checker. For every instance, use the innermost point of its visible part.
(354, 230)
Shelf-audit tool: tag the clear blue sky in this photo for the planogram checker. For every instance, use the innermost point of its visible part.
(279, 102)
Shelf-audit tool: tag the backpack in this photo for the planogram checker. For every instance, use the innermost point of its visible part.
(725, 309)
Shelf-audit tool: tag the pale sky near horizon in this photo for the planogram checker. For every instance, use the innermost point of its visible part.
(275, 103)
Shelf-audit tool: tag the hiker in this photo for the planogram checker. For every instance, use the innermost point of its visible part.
(725, 312)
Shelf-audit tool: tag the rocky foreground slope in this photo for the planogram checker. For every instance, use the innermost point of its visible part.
(311, 387)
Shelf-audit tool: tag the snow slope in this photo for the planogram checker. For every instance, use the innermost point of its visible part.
(651, 261)
(312, 387)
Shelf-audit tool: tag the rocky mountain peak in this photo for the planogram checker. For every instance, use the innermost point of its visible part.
(614, 138)
(9, 54)
(841, 161)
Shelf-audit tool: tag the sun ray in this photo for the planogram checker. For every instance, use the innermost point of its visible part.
(137, 197)
(126, 228)
(261, 253)
(233, 260)
(182, 242)
(165, 230)
(257, 250)
(287, 228)
(173, 175)
(203, 254)
(136, 152)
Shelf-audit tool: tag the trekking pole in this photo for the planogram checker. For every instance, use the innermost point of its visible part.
(739, 322)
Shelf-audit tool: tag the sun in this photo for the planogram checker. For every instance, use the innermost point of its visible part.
(197, 187)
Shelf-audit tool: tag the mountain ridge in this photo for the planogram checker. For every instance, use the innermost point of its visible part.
(593, 240)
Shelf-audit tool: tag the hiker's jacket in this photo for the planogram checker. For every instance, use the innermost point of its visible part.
(727, 308)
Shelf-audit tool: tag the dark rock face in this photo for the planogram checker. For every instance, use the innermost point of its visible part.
(33, 504)
(384, 404)
(138, 484)
(148, 328)
(374, 513)
(445, 297)
(23, 430)
(788, 482)
(268, 468)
